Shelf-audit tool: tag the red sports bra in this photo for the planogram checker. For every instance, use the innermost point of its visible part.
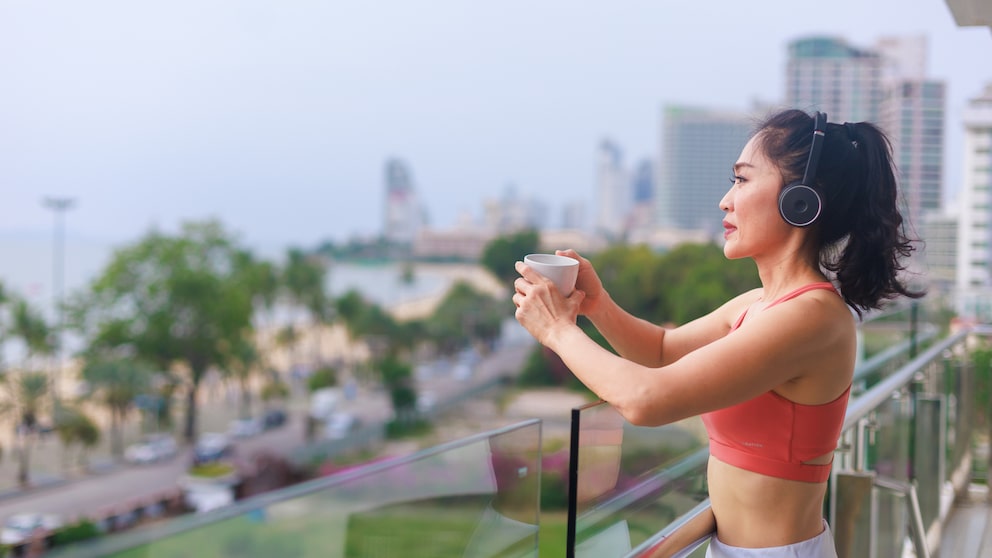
(774, 436)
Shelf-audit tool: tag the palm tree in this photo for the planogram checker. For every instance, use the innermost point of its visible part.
(116, 383)
(75, 427)
(28, 389)
(242, 365)
(30, 326)
(303, 280)
(27, 392)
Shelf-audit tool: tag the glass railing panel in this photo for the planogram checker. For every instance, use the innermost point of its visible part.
(959, 386)
(629, 482)
(477, 497)
(888, 455)
(903, 440)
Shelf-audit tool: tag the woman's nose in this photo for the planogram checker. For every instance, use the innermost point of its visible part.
(725, 202)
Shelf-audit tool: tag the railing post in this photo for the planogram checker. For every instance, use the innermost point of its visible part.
(929, 462)
(853, 522)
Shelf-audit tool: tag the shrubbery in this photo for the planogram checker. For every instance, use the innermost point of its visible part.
(82, 530)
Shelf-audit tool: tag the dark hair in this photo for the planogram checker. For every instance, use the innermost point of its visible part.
(860, 235)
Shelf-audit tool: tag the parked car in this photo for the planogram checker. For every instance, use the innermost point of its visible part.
(205, 497)
(151, 449)
(273, 418)
(212, 446)
(20, 527)
(339, 425)
(244, 427)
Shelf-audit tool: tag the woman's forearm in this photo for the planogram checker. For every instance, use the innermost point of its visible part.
(633, 338)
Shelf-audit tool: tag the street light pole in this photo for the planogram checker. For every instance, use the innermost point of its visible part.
(59, 206)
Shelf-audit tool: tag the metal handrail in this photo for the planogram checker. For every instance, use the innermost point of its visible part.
(873, 363)
(859, 408)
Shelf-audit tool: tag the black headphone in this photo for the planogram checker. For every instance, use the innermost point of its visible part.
(799, 203)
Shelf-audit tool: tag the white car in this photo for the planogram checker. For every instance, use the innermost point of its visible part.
(207, 497)
(339, 425)
(19, 527)
(244, 427)
(151, 449)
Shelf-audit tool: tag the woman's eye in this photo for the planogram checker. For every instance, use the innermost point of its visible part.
(736, 178)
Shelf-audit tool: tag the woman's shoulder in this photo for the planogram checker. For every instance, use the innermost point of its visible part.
(742, 301)
(821, 309)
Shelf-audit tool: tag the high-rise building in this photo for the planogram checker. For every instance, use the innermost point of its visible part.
(974, 269)
(642, 182)
(886, 85)
(513, 213)
(698, 150)
(403, 216)
(828, 75)
(613, 196)
(573, 215)
(912, 111)
(939, 261)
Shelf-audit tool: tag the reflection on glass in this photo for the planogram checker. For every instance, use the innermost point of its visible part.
(478, 498)
(630, 482)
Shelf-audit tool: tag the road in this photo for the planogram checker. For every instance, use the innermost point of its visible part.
(124, 486)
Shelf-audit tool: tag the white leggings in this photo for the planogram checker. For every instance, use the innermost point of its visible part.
(820, 546)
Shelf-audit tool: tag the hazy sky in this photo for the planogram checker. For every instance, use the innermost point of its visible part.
(277, 117)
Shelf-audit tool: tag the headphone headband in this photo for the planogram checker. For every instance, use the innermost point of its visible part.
(798, 203)
(819, 131)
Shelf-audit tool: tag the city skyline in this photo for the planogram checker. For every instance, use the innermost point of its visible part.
(279, 121)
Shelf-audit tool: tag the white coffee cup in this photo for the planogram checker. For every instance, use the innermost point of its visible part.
(562, 270)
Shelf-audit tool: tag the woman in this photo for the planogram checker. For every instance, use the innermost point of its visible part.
(770, 371)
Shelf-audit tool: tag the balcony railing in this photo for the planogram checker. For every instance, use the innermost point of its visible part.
(633, 491)
(903, 455)
(474, 497)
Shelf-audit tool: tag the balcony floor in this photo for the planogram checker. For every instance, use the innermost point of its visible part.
(968, 532)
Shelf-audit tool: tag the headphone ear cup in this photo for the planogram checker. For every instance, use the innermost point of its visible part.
(799, 205)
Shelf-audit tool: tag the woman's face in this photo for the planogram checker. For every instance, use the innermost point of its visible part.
(752, 225)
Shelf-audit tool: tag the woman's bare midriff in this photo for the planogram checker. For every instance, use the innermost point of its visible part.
(755, 511)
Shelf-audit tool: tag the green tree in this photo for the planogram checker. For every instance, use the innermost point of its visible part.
(466, 315)
(74, 427)
(397, 376)
(304, 279)
(274, 389)
(117, 382)
(368, 321)
(703, 279)
(243, 364)
(30, 326)
(323, 377)
(262, 279)
(676, 287)
(499, 255)
(27, 391)
(24, 333)
(178, 302)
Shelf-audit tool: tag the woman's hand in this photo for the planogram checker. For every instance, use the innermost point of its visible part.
(588, 282)
(541, 308)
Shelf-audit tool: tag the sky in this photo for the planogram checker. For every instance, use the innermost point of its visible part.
(277, 117)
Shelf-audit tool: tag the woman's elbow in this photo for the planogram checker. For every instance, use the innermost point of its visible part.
(641, 414)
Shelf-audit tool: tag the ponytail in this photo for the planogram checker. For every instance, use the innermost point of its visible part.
(859, 235)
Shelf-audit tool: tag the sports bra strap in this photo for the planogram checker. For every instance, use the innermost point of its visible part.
(826, 285)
